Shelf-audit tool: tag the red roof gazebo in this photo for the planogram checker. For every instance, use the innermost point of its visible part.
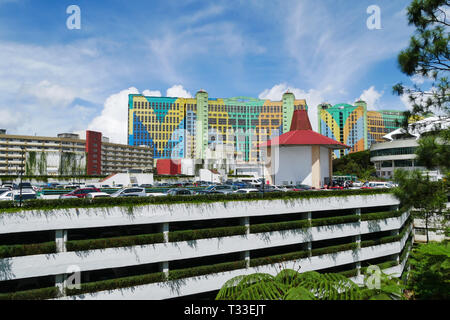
(300, 155)
(301, 133)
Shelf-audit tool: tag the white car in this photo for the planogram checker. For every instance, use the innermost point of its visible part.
(246, 190)
(156, 194)
(93, 195)
(253, 182)
(14, 195)
(377, 184)
(130, 192)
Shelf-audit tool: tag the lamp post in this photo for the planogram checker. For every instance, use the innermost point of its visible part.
(21, 174)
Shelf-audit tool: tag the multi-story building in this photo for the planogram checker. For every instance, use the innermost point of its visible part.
(356, 126)
(67, 154)
(397, 149)
(177, 128)
(151, 252)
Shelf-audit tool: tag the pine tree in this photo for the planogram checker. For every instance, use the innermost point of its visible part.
(428, 56)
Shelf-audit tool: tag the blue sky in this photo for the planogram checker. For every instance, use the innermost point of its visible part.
(53, 79)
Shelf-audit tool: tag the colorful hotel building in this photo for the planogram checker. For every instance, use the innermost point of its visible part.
(355, 126)
(177, 128)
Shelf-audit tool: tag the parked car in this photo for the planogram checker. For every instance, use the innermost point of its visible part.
(3, 190)
(301, 187)
(15, 195)
(105, 186)
(10, 185)
(357, 184)
(254, 182)
(180, 192)
(247, 190)
(71, 186)
(146, 185)
(129, 192)
(225, 189)
(24, 185)
(93, 195)
(378, 184)
(156, 194)
(271, 188)
(79, 193)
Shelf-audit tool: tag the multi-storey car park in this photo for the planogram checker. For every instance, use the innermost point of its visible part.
(184, 127)
(356, 126)
(67, 154)
(190, 246)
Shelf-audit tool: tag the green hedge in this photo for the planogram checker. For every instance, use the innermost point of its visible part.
(334, 220)
(204, 270)
(334, 249)
(382, 215)
(301, 254)
(132, 281)
(49, 204)
(7, 251)
(187, 235)
(117, 283)
(35, 294)
(115, 242)
(279, 226)
(278, 258)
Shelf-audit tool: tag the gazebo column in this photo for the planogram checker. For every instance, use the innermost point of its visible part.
(315, 174)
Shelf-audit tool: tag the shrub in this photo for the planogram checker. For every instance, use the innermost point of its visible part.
(187, 235)
(203, 270)
(117, 283)
(126, 241)
(334, 220)
(279, 226)
(35, 294)
(7, 251)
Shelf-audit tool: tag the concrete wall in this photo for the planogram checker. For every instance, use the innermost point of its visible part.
(294, 165)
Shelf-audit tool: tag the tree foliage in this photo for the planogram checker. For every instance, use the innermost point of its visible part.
(357, 163)
(427, 56)
(429, 276)
(417, 190)
(290, 284)
(434, 150)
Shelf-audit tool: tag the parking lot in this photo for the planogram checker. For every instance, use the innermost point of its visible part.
(10, 191)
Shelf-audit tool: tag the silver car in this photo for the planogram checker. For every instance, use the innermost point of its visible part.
(130, 192)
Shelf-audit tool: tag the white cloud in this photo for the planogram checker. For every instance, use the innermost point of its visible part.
(208, 12)
(112, 122)
(178, 91)
(8, 119)
(313, 98)
(371, 97)
(328, 49)
(49, 94)
(150, 93)
(171, 53)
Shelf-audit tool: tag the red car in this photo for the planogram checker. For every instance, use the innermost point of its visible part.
(79, 193)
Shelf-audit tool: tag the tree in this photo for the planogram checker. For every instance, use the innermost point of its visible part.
(416, 190)
(427, 56)
(434, 150)
(289, 284)
(429, 275)
(357, 163)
